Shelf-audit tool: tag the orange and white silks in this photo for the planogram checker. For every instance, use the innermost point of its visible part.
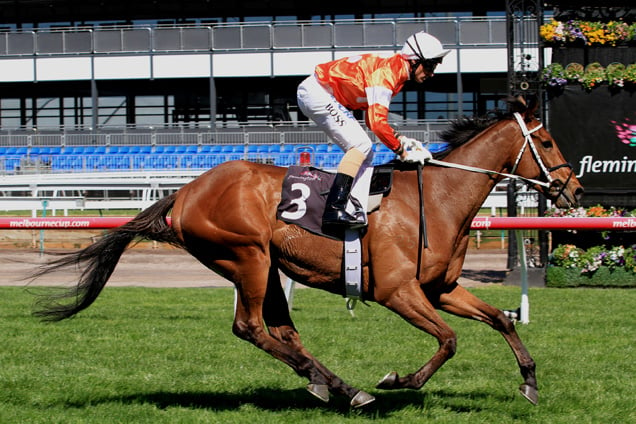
(367, 82)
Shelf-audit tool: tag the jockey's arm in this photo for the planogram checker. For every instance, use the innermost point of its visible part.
(377, 121)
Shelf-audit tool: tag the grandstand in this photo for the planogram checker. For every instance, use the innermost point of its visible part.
(182, 86)
(201, 150)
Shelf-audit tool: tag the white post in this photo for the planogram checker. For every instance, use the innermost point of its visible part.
(525, 302)
(289, 292)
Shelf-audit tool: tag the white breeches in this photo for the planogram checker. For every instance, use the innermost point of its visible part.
(333, 118)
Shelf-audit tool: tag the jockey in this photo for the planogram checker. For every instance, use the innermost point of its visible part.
(365, 82)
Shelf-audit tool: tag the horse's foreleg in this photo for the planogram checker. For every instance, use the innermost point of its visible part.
(459, 301)
(281, 328)
(410, 303)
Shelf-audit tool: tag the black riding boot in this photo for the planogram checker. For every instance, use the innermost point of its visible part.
(335, 210)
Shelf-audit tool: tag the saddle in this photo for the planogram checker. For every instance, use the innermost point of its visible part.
(304, 195)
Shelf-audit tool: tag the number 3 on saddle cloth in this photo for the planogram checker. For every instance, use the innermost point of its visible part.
(305, 191)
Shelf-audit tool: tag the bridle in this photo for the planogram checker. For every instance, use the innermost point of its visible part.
(545, 171)
(527, 135)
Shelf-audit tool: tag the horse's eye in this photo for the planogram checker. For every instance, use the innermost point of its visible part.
(547, 144)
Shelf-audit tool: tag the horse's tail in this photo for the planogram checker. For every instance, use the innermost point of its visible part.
(99, 261)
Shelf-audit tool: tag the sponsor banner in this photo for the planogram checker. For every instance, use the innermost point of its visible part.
(61, 223)
(596, 132)
(554, 223)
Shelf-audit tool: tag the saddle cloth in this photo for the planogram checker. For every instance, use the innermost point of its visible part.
(305, 189)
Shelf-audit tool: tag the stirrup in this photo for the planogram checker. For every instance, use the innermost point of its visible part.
(341, 218)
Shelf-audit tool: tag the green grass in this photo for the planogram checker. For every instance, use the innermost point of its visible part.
(142, 355)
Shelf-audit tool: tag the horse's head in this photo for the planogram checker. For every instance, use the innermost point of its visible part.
(540, 159)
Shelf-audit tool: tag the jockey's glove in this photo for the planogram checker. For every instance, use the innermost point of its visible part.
(414, 151)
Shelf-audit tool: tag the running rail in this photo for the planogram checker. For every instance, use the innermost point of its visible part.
(479, 223)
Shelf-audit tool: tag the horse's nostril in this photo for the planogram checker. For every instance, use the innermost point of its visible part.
(578, 193)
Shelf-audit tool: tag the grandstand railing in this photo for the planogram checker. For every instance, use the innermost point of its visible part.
(371, 34)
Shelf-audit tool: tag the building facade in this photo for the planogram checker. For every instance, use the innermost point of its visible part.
(160, 66)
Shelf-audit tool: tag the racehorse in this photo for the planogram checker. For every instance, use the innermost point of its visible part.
(226, 218)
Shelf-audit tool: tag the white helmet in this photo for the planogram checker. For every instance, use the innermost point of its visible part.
(422, 46)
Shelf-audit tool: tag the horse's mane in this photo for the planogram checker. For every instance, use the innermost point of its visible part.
(465, 128)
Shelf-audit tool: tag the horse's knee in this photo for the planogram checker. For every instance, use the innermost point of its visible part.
(246, 331)
(448, 343)
(502, 323)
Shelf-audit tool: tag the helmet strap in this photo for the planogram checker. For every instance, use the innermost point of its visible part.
(414, 64)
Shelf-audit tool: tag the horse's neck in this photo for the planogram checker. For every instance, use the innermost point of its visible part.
(491, 151)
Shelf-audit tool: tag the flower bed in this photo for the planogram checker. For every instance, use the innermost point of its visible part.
(607, 265)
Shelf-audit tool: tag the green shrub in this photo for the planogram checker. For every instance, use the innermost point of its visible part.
(603, 277)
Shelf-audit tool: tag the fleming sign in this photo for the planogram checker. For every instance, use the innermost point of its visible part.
(596, 132)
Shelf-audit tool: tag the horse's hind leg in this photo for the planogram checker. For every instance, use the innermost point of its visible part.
(282, 340)
(459, 301)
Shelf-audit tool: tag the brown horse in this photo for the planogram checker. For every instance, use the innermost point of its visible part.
(226, 218)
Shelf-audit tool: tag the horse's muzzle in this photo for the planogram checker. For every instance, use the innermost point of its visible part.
(565, 195)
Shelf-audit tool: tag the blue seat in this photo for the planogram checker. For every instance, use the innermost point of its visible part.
(206, 148)
(180, 149)
(100, 150)
(11, 151)
(322, 148)
(123, 150)
(134, 150)
(193, 148)
(138, 161)
(145, 150)
(113, 150)
(228, 148)
(21, 151)
(437, 147)
(89, 150)
(380, 147)
(160, 149)
(11, 164)
(169, 149)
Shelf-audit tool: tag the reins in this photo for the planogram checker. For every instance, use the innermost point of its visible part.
(527, 134)
(422, 238)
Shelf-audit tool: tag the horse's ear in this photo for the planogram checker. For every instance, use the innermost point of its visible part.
(526, 106)
(533, 105)
(517, 104)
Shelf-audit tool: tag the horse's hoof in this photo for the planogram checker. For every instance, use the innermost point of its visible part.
(529, 393)
(321, 391)
(388, 382)
(361, 399)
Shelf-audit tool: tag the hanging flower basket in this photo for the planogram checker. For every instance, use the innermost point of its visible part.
(588, 33)
(616, 76)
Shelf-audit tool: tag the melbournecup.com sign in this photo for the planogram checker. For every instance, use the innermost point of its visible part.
(479, 223)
